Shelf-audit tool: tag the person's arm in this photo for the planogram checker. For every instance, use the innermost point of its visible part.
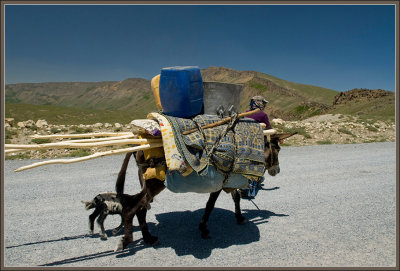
(266, 121)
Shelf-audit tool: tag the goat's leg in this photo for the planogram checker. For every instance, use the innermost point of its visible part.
(240, 219)
(100, 223)
(117, 229)
(92, 218)
(209, 207)
(147, 237)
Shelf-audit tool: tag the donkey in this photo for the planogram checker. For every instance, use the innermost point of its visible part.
(138, 204)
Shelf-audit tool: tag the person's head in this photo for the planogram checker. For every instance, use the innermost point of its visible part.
(258, 102)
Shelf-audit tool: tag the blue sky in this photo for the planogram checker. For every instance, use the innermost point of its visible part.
(334, 46)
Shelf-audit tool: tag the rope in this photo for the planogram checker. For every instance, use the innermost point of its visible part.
(230, 126)
(254, 204)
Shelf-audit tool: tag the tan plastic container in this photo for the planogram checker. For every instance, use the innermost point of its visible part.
(155, 87)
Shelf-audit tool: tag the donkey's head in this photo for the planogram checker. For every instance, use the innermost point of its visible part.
(271, 151)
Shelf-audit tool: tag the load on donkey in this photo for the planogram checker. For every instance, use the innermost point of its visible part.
(197, 142)
(204, 150)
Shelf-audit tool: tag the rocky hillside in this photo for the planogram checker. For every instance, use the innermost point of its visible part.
(133, 96)
(360, 95)
(287, 100)
(377, 104)
(322, 129)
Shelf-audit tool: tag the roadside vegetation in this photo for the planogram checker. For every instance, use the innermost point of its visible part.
(68, 115)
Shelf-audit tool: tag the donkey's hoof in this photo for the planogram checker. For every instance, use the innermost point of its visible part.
(90, 232)
(148, 206)
(115, 231)
(205, 234)
(152, 240)
(241, 220)
(120, 245)
(103, 236)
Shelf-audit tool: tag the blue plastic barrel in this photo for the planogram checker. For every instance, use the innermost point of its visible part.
(181, 91)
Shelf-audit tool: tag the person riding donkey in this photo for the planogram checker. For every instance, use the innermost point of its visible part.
(261, 117)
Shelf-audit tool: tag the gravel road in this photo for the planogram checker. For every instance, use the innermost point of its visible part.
(331, 206)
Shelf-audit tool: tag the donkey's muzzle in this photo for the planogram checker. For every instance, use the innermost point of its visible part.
(274, 170)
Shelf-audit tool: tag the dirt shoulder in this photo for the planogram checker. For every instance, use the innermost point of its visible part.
(322, 129)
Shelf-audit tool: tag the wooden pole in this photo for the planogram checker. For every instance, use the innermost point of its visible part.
(100, 139)
(13, 150)
(89, 157)
(62, 145)
(223, 121)
(82, 135)
(78, 141)
(269, 132)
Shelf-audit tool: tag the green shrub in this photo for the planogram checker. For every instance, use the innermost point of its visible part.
(324, 142)
(258, 86)
(285, 144)
(315, 113)
(300, 130)
(24, 155)
(82, 130)
(41, 140)
(301, 109)
(54, 130)
(9, 134)
(119, 129)
(372, 128)
(345, 131)
(78, 153)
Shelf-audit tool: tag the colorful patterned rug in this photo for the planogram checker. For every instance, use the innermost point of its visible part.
(240, 151)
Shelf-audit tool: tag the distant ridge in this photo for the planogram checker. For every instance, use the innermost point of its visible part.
(287, 100)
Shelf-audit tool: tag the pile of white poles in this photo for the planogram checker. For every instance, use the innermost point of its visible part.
(96, 140)
(99, 140)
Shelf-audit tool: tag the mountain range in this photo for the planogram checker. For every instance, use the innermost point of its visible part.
(132, 98)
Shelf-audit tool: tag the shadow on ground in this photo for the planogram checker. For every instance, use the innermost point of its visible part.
(179, 231)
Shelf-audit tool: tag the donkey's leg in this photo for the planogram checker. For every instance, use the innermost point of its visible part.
(92, 218)
(147, 237)
(100, 223)
(117, 229)
(129, 211)
(152, 187)
(128, 238)
(240, 219)
(131, 205)
(209, 207)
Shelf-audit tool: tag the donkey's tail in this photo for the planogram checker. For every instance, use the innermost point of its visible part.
(119, 186)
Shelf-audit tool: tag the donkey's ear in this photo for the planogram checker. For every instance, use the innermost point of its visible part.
(282, 136)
